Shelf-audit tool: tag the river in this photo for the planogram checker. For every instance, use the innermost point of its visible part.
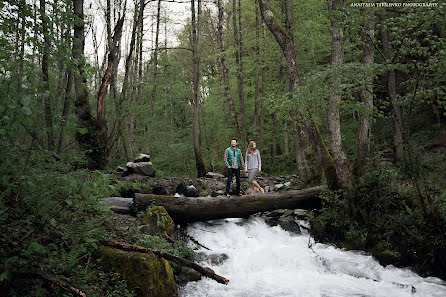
(269, 261)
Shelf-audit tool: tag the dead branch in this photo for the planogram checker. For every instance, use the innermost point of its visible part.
(206, 271)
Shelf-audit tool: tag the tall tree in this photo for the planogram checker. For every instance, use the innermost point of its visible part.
(155, 73)
(368, 52)
(45, 78)
(393, 94)
(116, 132)
(342, 166)
(263, 96)
(257, 68)
(112, 57)
(238, 41)
(301, 158)
(224, 68)
(285, 43)
(89, 136)
(66, 110)
(196, 33)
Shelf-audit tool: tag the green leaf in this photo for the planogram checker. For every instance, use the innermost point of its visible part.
(26, 110)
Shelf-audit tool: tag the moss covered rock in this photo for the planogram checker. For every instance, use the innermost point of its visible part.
(386, 257)
(147, 275)
(158, 221)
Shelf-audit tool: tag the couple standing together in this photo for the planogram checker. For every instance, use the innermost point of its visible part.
(234, 162)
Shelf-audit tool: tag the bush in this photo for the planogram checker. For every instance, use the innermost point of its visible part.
(51, 219)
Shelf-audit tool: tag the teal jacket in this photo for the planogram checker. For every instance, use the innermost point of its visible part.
(229, 157)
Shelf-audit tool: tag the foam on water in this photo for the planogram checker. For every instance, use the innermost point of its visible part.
(268, 261)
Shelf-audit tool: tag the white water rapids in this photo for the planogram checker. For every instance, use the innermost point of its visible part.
(268, 261)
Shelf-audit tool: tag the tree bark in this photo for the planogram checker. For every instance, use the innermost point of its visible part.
(102, 93)
(45, 77)
(393, 94)
(224, 69)
(342, 166)
(196, 32)
(91, 141)
(301, 160)
(364, 132)
(206, 271)
(191, 209)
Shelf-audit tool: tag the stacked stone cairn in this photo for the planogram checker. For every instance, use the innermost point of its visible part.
(140, 166)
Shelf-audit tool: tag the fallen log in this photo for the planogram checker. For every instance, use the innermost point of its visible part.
(190, 209)
(206, 271)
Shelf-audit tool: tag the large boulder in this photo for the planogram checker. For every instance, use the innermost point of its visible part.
(157, 221)
(289, 220)
(187, 191)
(142, 168)
(146, 274)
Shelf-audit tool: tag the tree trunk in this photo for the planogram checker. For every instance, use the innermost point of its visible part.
(240, 72)
(116, 131)
(90, 139)
(224, 69)
(239, 64)
(300, 158)
(263, 96)
(289, 22)
(366, 94)
(155, 74)
(102, 93)
(196, 32)
(257, 83)
(391, 87)
(286, 44)
(21, 55)
(191, 209)
(45, 78)
(66, 110)
(343, 172)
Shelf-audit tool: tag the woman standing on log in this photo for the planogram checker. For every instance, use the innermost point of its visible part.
(253, 165)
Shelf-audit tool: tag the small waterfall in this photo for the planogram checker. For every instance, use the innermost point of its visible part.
(268, 261)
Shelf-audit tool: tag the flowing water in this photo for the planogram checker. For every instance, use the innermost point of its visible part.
(268, 261)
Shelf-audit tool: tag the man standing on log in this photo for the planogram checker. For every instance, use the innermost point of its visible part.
(234, 161)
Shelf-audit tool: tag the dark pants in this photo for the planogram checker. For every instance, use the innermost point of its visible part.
(231, 173)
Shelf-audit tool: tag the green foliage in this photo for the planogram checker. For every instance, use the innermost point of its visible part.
(386, 220)
(51, 218)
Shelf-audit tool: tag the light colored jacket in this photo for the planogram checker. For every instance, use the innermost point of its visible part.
(253, 161)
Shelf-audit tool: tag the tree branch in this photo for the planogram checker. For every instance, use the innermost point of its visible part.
(206, 271)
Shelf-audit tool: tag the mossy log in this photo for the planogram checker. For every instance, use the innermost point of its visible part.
(188, 209)
(146, 274)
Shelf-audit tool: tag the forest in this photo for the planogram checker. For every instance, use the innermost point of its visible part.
(348, 94)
